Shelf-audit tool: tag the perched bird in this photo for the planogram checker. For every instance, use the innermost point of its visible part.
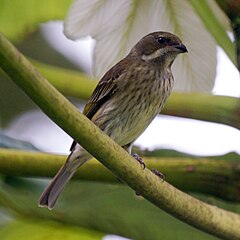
(125, 101)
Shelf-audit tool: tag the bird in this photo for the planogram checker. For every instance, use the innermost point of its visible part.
(125, 101)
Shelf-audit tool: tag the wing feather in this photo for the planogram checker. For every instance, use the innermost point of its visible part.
(105, 89)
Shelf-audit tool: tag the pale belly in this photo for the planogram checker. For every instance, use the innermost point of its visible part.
(125, 116)
(128, 123)
(125, 134)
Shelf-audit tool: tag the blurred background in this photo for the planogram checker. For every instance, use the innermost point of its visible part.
(97, 209)
(186, 135)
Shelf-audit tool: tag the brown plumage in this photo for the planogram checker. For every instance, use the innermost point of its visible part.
(125, 101)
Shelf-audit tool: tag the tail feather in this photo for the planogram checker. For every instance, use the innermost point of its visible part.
(51, 193)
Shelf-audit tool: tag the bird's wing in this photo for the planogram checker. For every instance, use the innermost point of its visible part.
(104, 90)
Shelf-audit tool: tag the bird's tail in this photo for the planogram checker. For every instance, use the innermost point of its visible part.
(51, 193)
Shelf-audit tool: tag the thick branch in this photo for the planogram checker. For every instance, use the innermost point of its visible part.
(219, 109)
(190, 210)
(196, 175)
(69, 82)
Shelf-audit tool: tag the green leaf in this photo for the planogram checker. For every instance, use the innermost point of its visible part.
(215, 27)
(106, 208)
(20, 17)
(32, 229)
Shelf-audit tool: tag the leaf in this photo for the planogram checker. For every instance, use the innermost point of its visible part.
(217, 25)
(108, 208)
(8, 142)
(118, 25)
(20, 17)
(32, 229)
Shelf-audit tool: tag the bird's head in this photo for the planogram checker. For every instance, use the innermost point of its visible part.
(159, 47)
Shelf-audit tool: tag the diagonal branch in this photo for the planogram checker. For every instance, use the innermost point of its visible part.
(208, 218)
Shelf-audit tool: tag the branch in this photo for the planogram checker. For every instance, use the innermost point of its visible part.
(219, 109)
(68, 82)
(208, 218)
(184, 172)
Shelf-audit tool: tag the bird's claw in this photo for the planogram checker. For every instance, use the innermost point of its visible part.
(139, 160)
(159, 174)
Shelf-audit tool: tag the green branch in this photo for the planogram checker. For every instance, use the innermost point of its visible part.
(68, 82)
(185, 173)
(219, 109)
(208, 218)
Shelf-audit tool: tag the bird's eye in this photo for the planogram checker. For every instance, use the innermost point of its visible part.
(161, 40)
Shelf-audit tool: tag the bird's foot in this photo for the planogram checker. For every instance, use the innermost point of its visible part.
(139, 160)
(159, 174)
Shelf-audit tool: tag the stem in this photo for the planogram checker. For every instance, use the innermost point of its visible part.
(185, 172)
(219, 109)
(215, 27)
(208, 218)
(68, 82)
(232, 10)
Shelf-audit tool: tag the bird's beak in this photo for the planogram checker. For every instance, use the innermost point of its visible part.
(181, 47)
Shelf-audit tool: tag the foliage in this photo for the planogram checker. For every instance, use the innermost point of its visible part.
(108, 208)
(27, 229)
(192, 211)
(111, 208)
(18, 18)
(119, 29)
